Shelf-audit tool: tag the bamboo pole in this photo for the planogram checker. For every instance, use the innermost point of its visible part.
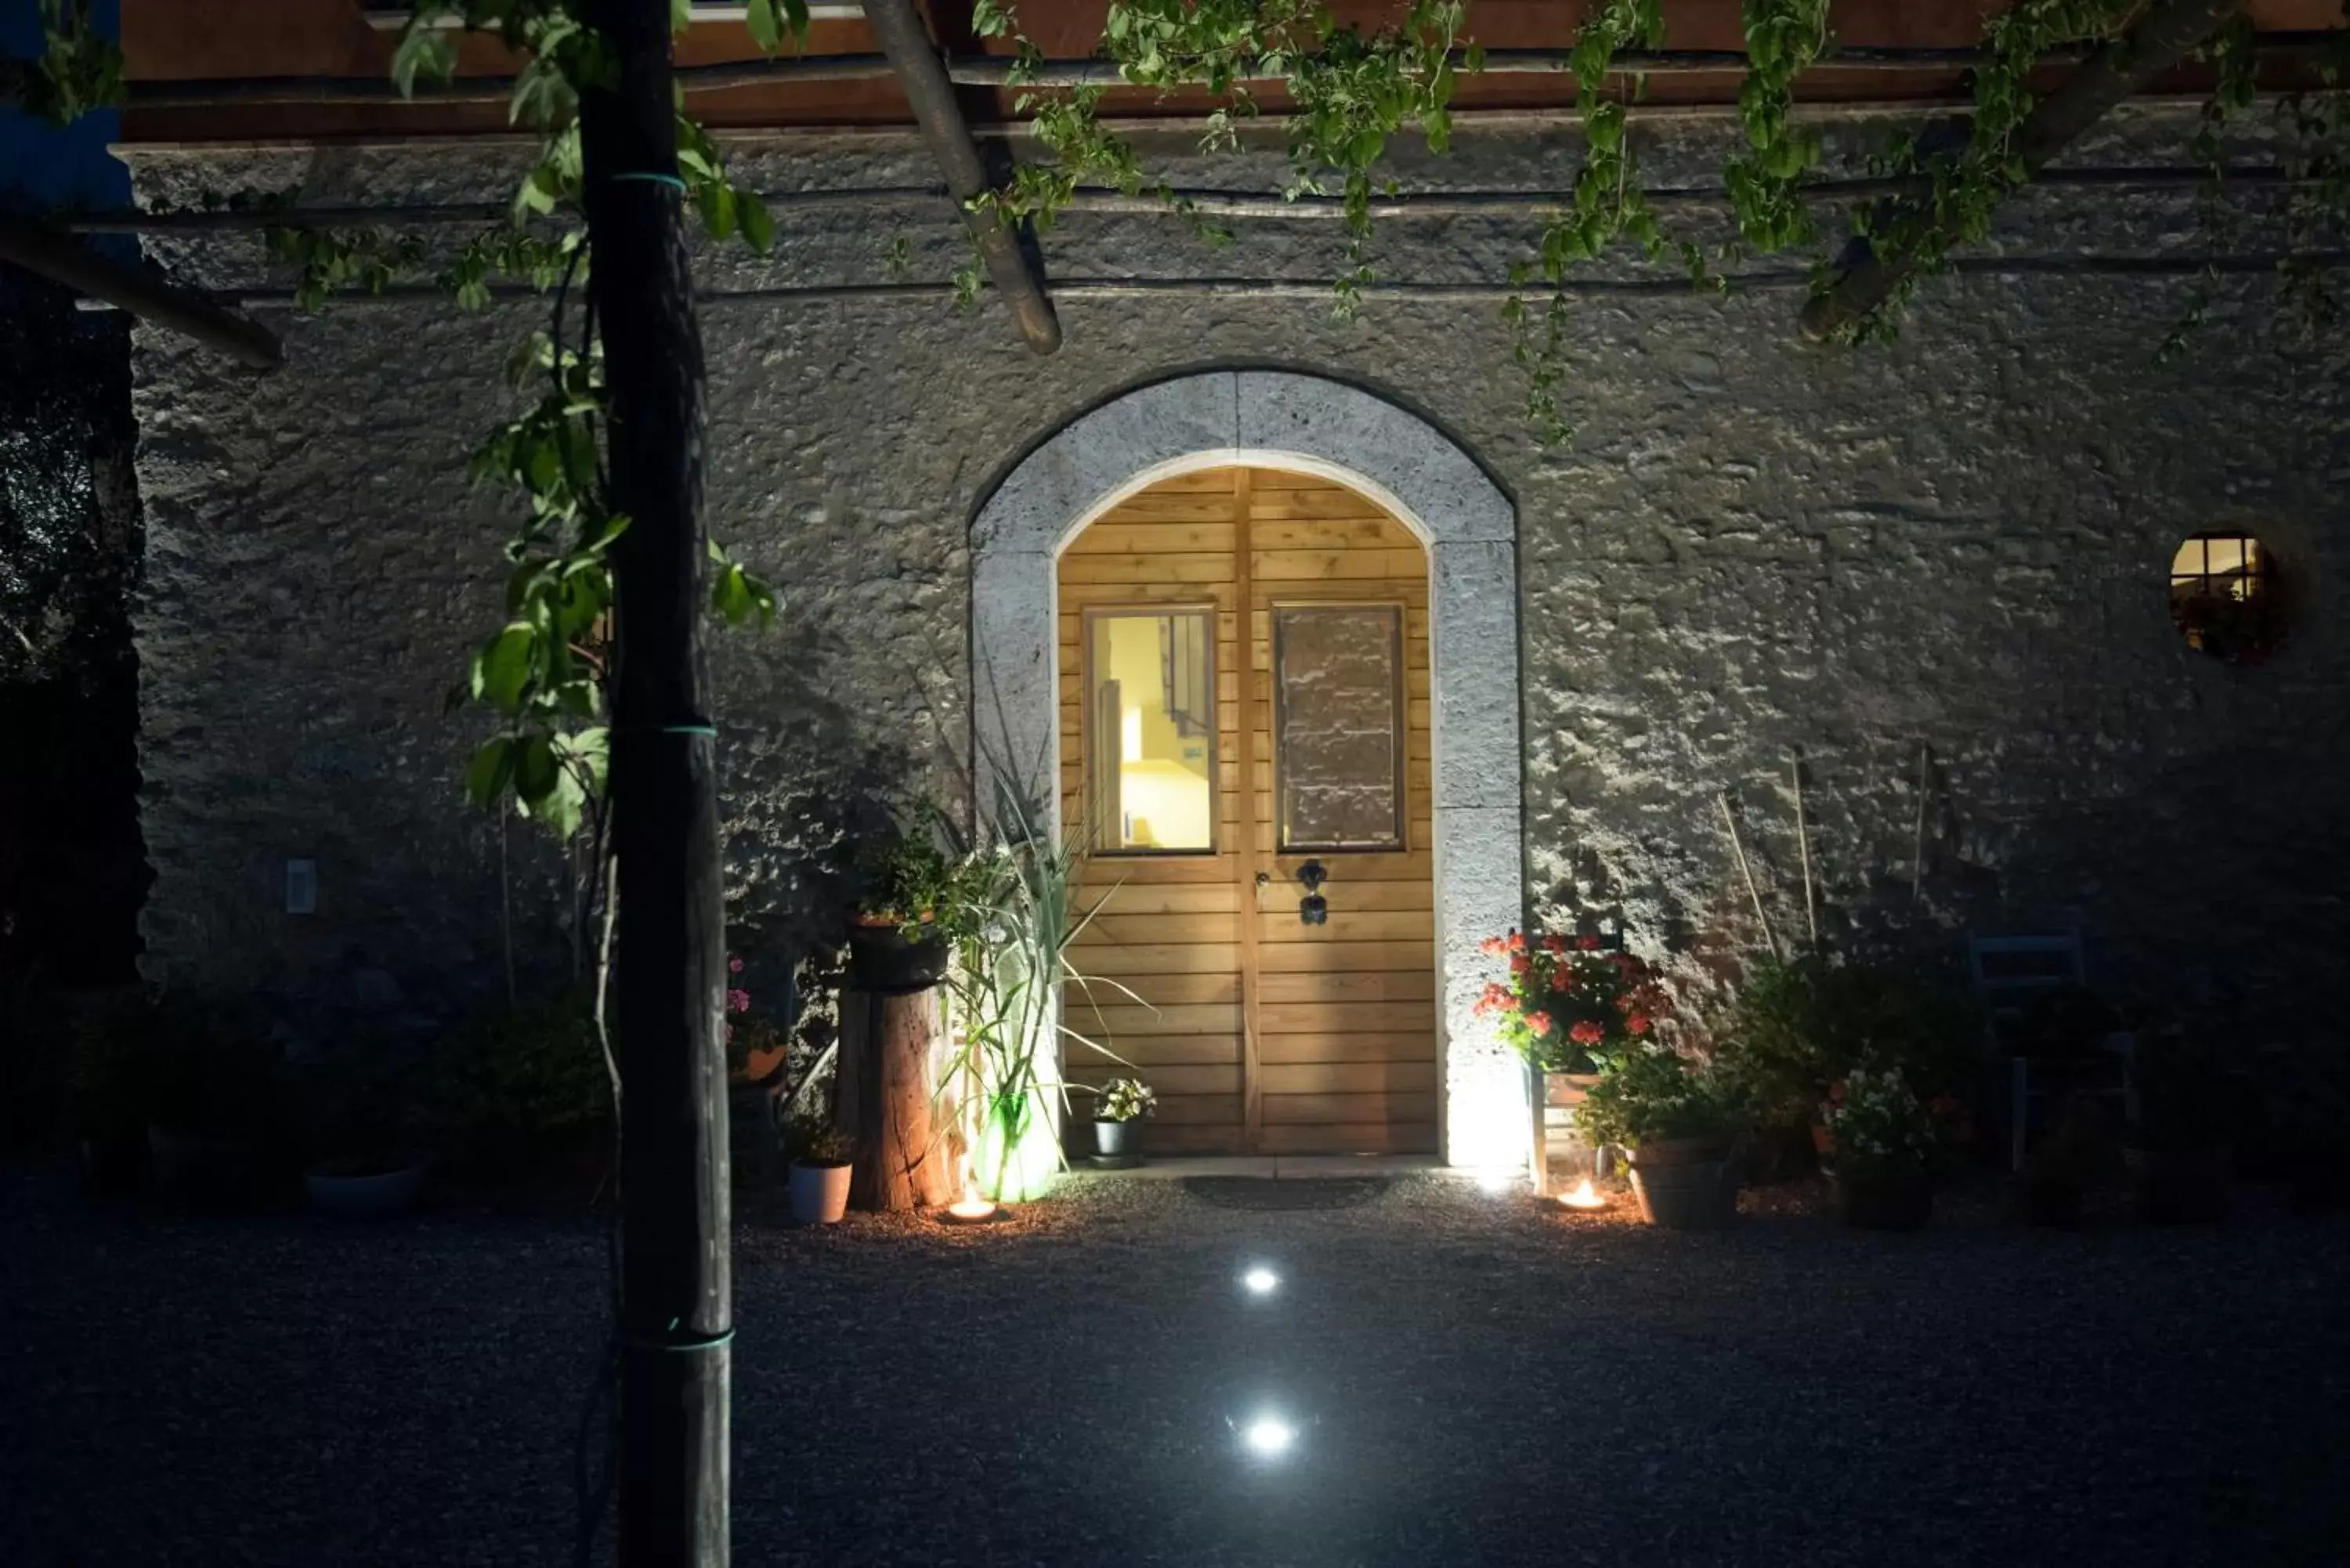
(1803, 849)
(1918, 838)
(1738, 847)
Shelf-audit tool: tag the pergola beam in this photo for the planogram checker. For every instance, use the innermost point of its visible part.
(2165, 35)
(996, 70)
(922, 74)
(56, 255)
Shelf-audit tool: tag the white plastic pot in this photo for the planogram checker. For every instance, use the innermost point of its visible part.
(819, 1193)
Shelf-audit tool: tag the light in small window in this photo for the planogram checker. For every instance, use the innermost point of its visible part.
(2225, 597)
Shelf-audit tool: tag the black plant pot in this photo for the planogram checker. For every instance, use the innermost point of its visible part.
(205, 1166)
(883, 961)
(2178, 1185)
(114, 1164)
(1883, 1200)
(2045, 1200)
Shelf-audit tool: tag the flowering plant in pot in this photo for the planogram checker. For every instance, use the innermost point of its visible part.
(1678, 1123)
(1118, 1110)
(1571, 1008)
(909, 892)
(1887, 1143)
(821, 1156)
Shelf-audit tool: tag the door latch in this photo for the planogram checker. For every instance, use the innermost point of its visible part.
(1313, 909)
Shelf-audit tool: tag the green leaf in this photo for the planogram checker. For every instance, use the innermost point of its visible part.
(758, 227)
(425, 51)
(766, 24)
(717, 203)
(489, 772)
(535, 770)
(504, 668)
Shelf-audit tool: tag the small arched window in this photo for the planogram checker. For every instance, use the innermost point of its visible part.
(2225, 596)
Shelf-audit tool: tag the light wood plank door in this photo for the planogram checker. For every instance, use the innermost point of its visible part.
(1244, 694)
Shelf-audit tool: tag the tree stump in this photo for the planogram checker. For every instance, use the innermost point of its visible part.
(885, 1101)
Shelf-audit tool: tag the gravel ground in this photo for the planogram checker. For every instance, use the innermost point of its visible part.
(1474, 1380)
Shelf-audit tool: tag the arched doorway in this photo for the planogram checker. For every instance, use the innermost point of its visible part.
(1417, 478)
(1244, 747)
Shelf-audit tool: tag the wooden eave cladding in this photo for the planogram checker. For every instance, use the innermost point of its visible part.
(172, 41)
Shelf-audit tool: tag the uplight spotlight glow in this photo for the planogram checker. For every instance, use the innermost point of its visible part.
(1496, 1179)
(1269, 1436)
(1260, 1280)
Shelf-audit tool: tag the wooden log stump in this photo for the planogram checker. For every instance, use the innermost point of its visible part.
(885, 1101)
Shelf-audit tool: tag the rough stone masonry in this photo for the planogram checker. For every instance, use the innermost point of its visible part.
(1955, 546)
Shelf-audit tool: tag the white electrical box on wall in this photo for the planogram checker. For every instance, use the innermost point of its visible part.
(301, 887)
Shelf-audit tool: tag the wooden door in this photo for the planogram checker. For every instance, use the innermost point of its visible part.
(1244, 668)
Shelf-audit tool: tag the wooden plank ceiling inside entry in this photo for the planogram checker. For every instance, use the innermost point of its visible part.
(1260, 1032)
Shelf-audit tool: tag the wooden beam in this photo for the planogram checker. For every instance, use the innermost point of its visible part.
(923, 76)
(996, 70)
(2165, 35)
(676, 1300)
(56, 255)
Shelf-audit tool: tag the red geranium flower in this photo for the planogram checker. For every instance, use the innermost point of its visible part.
(1587, 943)
(1638, 1023)
(1517, 941)
(1520, 963)
(1557, 944)
(1586, 1032)
(1538, 1021)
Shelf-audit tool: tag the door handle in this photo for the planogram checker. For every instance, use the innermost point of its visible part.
(1313, 909)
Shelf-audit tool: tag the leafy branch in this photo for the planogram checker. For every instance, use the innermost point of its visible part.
(79, 69)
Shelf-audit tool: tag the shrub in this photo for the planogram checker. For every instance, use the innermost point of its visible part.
(1805, 1023)
(1653, 1095)
(817, 1142)
(510, 1083)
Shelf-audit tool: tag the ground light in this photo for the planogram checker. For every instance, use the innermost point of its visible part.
(1268, 1437)
(1496, 1179)
(1583, 1195)
(1260, 1280)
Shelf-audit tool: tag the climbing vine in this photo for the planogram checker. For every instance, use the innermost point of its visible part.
(1962, 183)
(543, 671)
(79, 69)
(1607, 207)
(1784, 37)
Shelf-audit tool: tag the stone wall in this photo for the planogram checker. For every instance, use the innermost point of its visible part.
(1957, 543)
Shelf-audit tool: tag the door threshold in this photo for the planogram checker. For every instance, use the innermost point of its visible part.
(1278, 1166)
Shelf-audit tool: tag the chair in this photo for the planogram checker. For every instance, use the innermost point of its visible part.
(2008, 972)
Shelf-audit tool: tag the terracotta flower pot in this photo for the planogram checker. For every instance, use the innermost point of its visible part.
(1567, 1089)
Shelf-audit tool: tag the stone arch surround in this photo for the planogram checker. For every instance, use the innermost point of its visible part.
(1312, 424)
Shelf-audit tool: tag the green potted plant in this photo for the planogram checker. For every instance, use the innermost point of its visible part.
(821, 1162)
(1886, 1140)
(2177, 1156)
(1678, 1125)
(901, 936)
(1119, 1108)
(363, 1164)
(518, 1092)
(212, 1100)
(1799, 1026)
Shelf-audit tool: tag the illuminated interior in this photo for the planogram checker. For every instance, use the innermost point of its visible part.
(1151, 709)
